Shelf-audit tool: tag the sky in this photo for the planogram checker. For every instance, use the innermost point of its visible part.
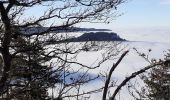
(140, 13)
(150, 18)
(136, 14)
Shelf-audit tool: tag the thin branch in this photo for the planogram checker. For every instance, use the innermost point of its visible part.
(133, 75)
(110, 74)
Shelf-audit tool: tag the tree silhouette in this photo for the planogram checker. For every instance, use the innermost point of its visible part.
(32, 59)
(158, 81)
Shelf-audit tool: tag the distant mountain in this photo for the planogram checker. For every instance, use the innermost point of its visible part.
(36, 30)
(96, 36)
(92, 35)
(88, 29)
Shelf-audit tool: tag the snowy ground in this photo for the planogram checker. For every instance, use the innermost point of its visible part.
(143, 39)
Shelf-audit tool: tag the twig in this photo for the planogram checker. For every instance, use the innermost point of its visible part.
(133, 75)
(110, 74)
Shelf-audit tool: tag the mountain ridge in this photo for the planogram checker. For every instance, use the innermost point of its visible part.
(96, 36)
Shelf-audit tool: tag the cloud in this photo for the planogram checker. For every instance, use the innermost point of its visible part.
(164, 1)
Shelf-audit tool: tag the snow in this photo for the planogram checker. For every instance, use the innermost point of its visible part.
(142, 39)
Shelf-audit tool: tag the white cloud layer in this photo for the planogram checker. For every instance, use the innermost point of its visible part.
(165, 1)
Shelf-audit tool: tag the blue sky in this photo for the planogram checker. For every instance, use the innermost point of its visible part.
(146, 13)
(141, 13)
(136, 14)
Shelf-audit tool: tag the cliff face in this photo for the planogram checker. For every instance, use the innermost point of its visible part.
(97, 36)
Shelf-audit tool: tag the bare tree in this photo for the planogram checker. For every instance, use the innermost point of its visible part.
(157, 81)
(33, 59)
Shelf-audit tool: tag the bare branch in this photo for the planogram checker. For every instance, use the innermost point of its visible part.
(133, 75)
(110, 74)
